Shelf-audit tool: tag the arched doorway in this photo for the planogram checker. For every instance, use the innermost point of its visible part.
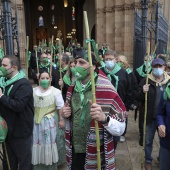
(45, 18)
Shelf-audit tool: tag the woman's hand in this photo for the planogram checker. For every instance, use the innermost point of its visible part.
(61, 123)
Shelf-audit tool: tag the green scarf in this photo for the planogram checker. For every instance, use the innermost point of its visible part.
(140, 71)
(41, 65)
(112, 73)
(167, 92)
(84, 103)
(67, 80)
(64, 69)
(1, 53)
(128, 70)
(4, 83)
(29, 56)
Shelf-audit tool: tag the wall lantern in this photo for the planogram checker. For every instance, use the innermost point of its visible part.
(65, 3)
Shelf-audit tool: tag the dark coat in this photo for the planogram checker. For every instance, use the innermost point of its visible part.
(123, 90)
(140, 96)
(17, 109)
(133, 86)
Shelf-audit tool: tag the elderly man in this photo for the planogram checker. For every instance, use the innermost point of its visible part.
(81, 114)
(158, 80)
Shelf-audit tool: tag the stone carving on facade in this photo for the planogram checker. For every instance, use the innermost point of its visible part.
(124, 7)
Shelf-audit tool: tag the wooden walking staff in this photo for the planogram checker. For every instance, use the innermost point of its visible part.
(59, 41)
(146, 106)
(27, 55)
(93, 89)
(51, 60)
(36, 50)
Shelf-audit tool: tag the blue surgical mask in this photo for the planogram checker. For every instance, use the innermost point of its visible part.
(110, 64)
(158, 72)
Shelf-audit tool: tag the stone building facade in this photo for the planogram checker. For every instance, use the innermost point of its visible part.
(113, 21)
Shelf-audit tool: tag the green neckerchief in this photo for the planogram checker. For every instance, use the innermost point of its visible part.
(41, 65)
(94, 48)
(84, 103)
(112, 73)
(29, 56)
(102, 63)
(4, 83)
(104, 50)
(140, 71)
(128, 70)
(64, 69)
(67, 80)
(167, 92)
(1, 53)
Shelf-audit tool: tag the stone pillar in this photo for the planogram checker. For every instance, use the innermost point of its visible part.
(6, 4)
(115, 25)
(100, 21)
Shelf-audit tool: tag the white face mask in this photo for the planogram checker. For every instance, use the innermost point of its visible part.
(158, 72)
(110, 64)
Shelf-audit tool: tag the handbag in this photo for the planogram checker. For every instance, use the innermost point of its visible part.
(3, 130)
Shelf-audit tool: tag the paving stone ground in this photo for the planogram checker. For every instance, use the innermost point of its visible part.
(128, 154)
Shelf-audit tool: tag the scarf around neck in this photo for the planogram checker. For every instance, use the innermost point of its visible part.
(112, 73)
(128, 70)
(165, 80)
(10, 81)
(141, 72)
(64, 69)
(67, 79)
(81, 89)
(166, 94)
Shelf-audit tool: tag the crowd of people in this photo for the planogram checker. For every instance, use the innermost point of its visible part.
(54, 122)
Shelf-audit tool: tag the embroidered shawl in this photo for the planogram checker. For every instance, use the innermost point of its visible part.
(111, 103)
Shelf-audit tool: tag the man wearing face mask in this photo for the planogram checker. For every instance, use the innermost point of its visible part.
(44, 65)
(81, 113)
(78, 50)
(120, 80)
(158, 80)
(16, 107)
(140, 73)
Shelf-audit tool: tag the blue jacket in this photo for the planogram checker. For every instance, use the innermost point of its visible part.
(163, 118)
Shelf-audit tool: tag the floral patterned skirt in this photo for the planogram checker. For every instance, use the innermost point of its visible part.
(44, 150)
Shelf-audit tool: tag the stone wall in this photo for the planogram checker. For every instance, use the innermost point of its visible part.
(115, 23)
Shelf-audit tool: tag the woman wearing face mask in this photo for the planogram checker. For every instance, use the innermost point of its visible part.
(123, 63)
(48, 103)
(68, 78)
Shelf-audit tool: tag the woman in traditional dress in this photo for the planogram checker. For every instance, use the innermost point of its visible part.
(48, 103)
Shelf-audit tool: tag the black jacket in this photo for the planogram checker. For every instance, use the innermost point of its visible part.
(33, 61)
(123, 90)
(140, 96)
(17, 109)
(133, 85)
